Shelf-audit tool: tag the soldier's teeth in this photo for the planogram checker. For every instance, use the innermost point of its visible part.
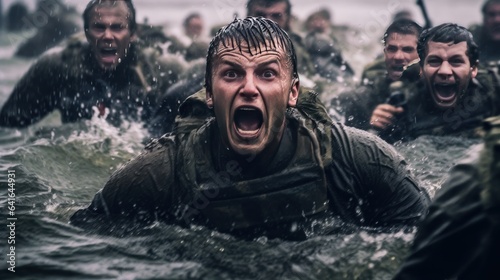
(247, 131)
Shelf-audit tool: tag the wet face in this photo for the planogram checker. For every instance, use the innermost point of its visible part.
(194, 27)
(491, 21)
(250, 94)
(447, 72)
(109, 35)
(276, 12)
(317, 23)
(399, 51)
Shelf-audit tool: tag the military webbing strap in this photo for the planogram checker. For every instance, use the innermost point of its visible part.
(490, 169)
(311, 106)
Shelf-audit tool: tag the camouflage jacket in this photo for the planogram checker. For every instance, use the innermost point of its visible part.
(458, 239)
(70, 81)
(304, 62)
(374, 71)
(321, 170)
(357, 105)
(489, 165)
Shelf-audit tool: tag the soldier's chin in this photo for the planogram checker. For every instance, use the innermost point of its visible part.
(247, 150)
(108, 67)
(395, 75)
(108, 62)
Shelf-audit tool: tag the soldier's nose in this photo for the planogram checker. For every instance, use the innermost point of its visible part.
(249, 89)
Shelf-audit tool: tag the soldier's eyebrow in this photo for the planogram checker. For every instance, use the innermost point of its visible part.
(269, 62)
(458, 57)
(260, 65)
(230, 63)
(434, 57)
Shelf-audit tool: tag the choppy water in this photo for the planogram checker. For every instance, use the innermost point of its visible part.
(59, 168)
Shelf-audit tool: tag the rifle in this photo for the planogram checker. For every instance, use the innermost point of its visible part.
(428, 23)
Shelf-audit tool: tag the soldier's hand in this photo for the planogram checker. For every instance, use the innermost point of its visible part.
(383, 116)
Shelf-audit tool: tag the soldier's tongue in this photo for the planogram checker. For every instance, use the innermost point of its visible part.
(248, 120)
(445, 92)
(108, 55)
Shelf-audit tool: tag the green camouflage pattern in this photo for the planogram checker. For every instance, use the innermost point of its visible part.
(374, 71)
(304, 61)
(490, 169)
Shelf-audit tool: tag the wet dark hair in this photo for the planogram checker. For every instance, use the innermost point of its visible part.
(486, 5)
(323, 13)
(448, 33)
(402, 26)
(132, 24)
(268, 3)
(258, 33)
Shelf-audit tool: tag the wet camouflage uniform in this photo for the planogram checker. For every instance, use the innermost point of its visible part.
(421, 117)
(304, 61)
(327, 57)
(321, 170)
(357, 105)
(72, 82)
(374, 71)
(459, 237)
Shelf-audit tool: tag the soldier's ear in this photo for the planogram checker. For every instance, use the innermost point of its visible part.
(293, 95)
(87, 35)
(210, 102)
(474, 71)
(134, 37)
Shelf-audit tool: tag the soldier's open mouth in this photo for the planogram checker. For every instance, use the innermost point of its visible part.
(248, 120)
(108, 54)
(398, 68)
(445, 93)
(108, 51)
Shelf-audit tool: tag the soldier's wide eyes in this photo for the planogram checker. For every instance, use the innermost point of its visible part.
(98, 27)
(268, 74)
(117, 27)
(408, 49)
(230, 74)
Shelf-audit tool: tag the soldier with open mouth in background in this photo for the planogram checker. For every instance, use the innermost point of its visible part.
(453, 94)
(110, 74)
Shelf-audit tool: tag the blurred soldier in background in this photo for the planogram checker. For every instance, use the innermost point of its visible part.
(110, 75)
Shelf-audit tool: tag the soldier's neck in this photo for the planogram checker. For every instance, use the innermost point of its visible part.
(255, 166)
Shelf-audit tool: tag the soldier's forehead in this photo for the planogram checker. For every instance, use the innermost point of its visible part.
(252, 48)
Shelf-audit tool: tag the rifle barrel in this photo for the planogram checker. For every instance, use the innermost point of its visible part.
(421, 4)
